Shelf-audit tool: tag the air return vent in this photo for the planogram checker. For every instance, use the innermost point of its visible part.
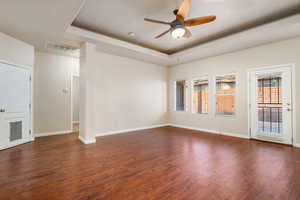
(61, 47)
(15, 131)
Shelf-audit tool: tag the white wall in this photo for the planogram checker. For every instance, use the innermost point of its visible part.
(15, 51)
(284, 52)
(52, 106)
(123, 93)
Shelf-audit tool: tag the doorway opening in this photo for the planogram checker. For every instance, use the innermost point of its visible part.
(75, 95)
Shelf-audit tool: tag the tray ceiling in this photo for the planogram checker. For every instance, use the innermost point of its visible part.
(117, 18)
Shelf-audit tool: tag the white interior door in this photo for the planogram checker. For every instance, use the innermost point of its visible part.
(271, 104)
(15, 95)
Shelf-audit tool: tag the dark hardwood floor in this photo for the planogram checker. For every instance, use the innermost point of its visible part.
(162, 163)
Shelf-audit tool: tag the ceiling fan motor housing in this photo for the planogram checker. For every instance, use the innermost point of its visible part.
(178, 27)
(177, 24)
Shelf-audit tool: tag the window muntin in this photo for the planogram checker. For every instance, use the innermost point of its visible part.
(180, 96)
(225, 94)
(200, 96)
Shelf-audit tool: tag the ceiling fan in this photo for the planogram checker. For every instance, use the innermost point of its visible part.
(178, 27)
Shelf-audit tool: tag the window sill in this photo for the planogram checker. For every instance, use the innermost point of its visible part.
(226, 116)
(204, 114)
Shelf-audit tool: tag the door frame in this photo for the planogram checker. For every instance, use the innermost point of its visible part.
(293, 96)
(72, 90)
(30, 123)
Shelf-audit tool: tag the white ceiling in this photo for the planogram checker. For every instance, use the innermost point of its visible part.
(116, 18)
(42, 22)
(38, 21)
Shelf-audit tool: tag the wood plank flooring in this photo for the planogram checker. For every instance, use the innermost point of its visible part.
(163, 163)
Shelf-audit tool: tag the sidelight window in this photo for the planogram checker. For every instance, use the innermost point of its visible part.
(180, 96)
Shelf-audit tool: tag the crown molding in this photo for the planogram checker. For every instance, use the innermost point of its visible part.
(97, 37)
(275, 31)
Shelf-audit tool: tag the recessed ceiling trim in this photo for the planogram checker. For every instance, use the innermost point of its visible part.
(97, 37)
(241, 40)
(259, 35)
(73, 17)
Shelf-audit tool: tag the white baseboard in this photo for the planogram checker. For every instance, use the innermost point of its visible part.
(84, 141)
(211, 131)
(174, 125)
(53, 133)
(18, 142)
(235, 135)
(130, 130)
(297, 145)
(194, 128)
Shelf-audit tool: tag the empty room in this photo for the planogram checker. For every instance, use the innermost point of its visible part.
(150, 100)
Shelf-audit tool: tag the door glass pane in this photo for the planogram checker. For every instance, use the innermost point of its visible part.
(269, 98)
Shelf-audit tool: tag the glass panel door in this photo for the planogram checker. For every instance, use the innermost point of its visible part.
(270, 100)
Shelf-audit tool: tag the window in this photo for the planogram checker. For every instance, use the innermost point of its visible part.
(180, 95)
(225, 95)
(200, 96)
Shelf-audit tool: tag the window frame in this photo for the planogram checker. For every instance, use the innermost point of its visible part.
(215, 95)
(186, 95)
(204, 77)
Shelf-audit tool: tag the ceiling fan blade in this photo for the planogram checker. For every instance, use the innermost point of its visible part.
(188, 33)
(183, 10)
(162, 34)
(157, 21)
(199, 21)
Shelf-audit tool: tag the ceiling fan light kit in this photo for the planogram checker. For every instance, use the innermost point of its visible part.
(178, 33)
(178, 27)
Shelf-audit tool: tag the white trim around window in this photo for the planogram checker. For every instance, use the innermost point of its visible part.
(186, 95)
